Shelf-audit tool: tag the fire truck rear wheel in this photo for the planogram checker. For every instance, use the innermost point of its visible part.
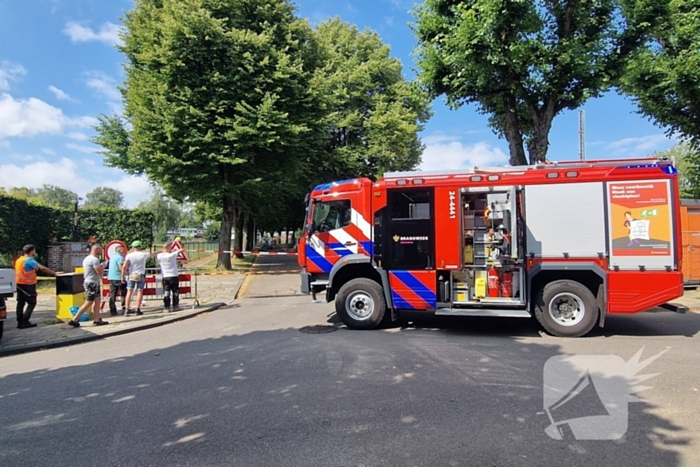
(360, 304)
(566, 308)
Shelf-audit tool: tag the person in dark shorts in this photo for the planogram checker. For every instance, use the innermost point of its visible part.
(25, 277)
(171, 280)
(92, 278)
(114, 275)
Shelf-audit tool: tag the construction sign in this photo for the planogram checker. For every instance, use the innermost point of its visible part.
(111, 248)
(181, 254)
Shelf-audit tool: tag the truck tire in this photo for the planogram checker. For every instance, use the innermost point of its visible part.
(360, 304)
(566, 308)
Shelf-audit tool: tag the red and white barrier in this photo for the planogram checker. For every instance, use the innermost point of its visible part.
(226, 273)
(253, 252)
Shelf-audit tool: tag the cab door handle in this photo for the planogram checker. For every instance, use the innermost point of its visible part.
(350, 243)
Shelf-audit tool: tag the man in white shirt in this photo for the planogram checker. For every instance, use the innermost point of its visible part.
(171, 280)
(92, 278)
(134, 274)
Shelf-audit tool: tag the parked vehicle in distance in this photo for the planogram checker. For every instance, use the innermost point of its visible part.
(7, 289)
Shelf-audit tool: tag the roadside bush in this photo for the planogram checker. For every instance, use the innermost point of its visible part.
(23, 222)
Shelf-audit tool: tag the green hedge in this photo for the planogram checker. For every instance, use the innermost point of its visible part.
(116, 224)
(23, 222)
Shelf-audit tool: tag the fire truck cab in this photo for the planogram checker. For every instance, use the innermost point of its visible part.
(565, 242)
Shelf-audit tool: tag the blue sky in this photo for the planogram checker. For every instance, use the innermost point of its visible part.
(59, 70)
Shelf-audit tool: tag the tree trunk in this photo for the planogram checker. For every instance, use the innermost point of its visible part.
(251, 234)
(538, 144)
(229, 205)
(513, 133)
(238, 229)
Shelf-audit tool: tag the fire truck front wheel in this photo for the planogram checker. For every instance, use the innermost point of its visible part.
(566, 308)
(360, 304)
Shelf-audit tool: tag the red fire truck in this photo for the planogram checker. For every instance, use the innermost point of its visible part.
(565, 242)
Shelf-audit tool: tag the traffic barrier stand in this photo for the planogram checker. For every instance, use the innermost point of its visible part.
(153, 289)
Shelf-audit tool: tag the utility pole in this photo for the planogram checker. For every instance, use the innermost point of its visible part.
(581, 135)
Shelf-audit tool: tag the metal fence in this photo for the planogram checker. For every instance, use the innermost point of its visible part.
(153, 290)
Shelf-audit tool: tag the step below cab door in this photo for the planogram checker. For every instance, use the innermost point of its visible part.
(409, 248)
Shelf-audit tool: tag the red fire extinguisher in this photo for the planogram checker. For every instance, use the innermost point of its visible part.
(507, 284)
(493, 282)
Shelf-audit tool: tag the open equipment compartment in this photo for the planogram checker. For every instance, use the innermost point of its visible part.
(492, 270)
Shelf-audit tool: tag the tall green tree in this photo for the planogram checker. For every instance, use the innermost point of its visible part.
(524, 62)
(55, 196)
(104, 197)
(664, 77)
(217, 99)
(373, 114)
(687, 159)
(165, 210)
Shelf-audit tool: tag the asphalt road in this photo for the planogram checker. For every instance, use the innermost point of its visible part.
(243, 386)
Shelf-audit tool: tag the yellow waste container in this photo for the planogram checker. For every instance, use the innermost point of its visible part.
(69, 292)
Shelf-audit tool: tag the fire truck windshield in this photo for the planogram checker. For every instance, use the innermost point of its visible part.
(331, 215)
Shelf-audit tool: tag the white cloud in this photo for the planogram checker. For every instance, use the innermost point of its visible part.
(68, 174)
(103, 84)
(108, 33)
(10, 72)
(31, 117)
(4, 144)
(639, 146)
(86, 121)
(60, 95)
(453, 155)
(389, 21)
(76, 135)
(82, 148)
(48, 151)
(28, 117)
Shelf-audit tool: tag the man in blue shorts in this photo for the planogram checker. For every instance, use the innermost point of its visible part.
(134, 274)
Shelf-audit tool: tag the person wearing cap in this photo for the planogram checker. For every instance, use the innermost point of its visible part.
(134, 275)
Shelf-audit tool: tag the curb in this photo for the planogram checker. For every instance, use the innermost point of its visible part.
(117, 332)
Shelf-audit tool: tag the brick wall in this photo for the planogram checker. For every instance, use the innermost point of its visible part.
(67, 256)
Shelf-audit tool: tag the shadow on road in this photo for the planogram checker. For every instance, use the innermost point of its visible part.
(662, 323)
(344, 398)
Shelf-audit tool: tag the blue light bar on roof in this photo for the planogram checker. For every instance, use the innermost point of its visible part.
(667, 168)
(328, 186)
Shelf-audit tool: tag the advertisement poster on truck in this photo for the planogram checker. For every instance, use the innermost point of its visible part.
(640, 218)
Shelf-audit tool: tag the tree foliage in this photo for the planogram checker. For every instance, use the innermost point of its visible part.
(217, 99)
(687, 160)
(47, 195)
(26, 222)
(524, 62)
(373, 115)
(664, 76)
(166, 213)
(104, 197)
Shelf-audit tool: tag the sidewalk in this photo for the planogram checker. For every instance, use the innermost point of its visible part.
(690, 299)
(214, 292)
